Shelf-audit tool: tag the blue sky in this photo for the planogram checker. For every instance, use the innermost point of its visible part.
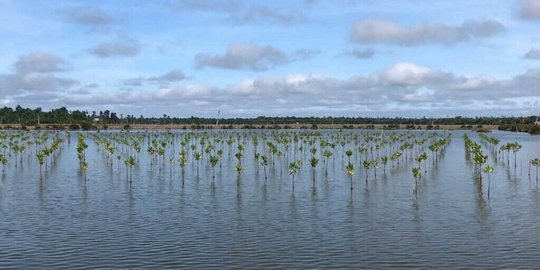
(250, 58)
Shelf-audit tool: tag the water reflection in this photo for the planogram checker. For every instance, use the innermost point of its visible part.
(175, 218)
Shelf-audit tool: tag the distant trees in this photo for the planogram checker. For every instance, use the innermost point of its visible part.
(28, 116)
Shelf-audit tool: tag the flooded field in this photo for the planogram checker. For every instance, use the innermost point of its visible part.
(268, 199)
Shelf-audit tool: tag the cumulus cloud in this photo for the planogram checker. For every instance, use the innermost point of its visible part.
(256, 13)
(33, 82)
(247, 56)
(115, 49)
(360, 54)
(533, 53)
(35, 72)
(171, 76)
(405, 74)
(241, 12)
(392, 33)
(529, 9)
(402, 87)
(86, 15)
(39, 62)
(174, 75)
(139, 81)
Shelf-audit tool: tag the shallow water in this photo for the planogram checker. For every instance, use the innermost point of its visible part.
(64, 221)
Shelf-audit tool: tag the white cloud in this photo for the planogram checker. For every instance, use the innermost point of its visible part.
(389, 32)
(86, 15)
(529, 9)
(241, 12)
(36, 72)
(533, 53)
(39, 62)
(248, 56)
(127, 48)
(400, 87)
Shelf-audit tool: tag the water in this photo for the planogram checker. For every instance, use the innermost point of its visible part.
(64, 221)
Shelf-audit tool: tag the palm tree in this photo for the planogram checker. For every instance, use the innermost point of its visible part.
(488, 169)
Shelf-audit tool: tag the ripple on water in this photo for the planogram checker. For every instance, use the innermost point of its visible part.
(67, 223)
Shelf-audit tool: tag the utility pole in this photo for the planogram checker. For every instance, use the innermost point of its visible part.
(217, 119)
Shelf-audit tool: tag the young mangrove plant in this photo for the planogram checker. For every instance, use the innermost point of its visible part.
(213, 162)
(417, 174)
(350, 171)
(326, 154)
(182, 161)
(384, 160)
(197, 156)
(294, 167)
(313, 162)
(349, 154)
(488, 169)
(41, 160)
(264, 163)
(130, 162)
(536, 163)
(366, 164)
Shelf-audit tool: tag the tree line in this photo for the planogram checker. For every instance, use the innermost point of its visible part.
(63, 116)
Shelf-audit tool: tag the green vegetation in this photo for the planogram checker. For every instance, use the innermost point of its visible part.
(62, 118)
(276, 151)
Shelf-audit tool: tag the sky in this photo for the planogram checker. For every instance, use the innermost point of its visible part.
(382, 58)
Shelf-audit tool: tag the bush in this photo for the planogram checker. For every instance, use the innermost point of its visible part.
(86, 126)
(534, 129)
(74, 127)
(127, 126)
(31, 123)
